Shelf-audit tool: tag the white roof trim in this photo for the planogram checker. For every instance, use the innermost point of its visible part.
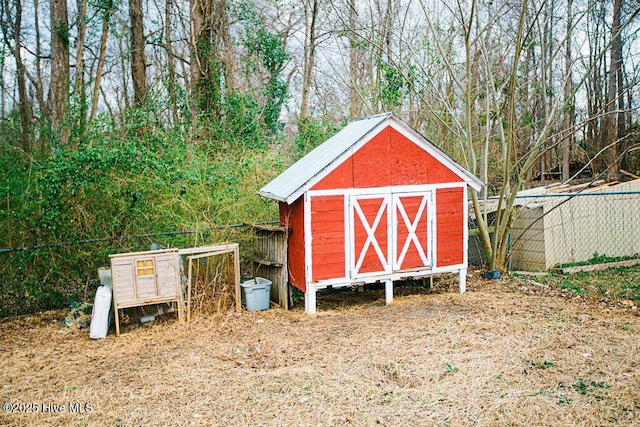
(309, 170)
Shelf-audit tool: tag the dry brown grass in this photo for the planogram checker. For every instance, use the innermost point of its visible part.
(498, 355)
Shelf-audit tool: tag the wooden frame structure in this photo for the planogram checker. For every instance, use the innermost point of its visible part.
(146, 278)
(270, 260)
(208, 251)
(156, 277)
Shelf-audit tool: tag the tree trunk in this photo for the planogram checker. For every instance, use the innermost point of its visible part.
(568, 99)
(596, 98)
(59, 87)
(612, 92)
(79, 89)
(101, 59)
(170, 64)
(354, 97)
(208, 23)
(39, 81)
(25, 107)
(2, 89)
(12, 29)
(309, 57)
(196, 17)
(138, 60)
(622, 112)
(124, 101)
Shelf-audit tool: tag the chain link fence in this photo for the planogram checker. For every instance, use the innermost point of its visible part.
(560, 230)
(54, 275)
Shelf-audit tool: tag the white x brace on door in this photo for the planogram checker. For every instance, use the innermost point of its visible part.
(412, 230)
(389, 232)
(370, 220)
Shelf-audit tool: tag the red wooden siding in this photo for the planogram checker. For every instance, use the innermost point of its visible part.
(340, 177)
(327, 237)
(412, 165)
(412, 258)
(450, 226)
(292, 216)
(372, 162)
(388, 159)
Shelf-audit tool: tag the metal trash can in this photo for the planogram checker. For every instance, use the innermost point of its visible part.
(255, 294)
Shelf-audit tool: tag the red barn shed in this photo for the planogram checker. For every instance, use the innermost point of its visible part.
(377, 202)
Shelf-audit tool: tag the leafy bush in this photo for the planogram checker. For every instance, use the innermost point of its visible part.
(119, 190)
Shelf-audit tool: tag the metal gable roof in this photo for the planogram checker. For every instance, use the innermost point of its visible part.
(291, 183)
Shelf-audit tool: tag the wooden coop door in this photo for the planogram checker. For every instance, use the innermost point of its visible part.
(370, 222)
(145, 278)
(390, 232)
(412, 231)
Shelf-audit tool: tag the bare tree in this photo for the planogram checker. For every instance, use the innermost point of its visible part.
(171, 68)
(123, 99)
(138, 60)
(38, 81)
(506, 112)
(3, 88)
(107, 11)
(567, 138)
(311, 15)
(12, 29)
(355, 107)
(79, 86)
(59, 86)
(611, 119)
(595, 84)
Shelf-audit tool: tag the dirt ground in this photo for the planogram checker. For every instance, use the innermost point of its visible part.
(505, 353)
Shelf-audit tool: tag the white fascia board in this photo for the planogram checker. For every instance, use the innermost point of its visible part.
(272, 196)
(384, 190)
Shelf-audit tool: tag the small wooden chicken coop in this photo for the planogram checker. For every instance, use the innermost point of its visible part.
(156, 277)
(145, 278)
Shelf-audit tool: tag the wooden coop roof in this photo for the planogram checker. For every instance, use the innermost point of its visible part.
(302, 175)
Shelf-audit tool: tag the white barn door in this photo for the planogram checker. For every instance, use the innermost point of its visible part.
(413, 215)
(389, 232)
(370, 249)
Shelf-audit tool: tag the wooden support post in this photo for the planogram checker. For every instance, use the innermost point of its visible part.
(388, 291)
(310, 300)
(462, 280)
(189, 278)
(236, 269)
(117, 322)
(181, 313)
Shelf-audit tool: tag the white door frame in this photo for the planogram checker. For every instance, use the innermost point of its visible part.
(395, 212)
(383, 214)
(400, 213)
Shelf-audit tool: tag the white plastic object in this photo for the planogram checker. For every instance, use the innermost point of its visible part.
(100, 315)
